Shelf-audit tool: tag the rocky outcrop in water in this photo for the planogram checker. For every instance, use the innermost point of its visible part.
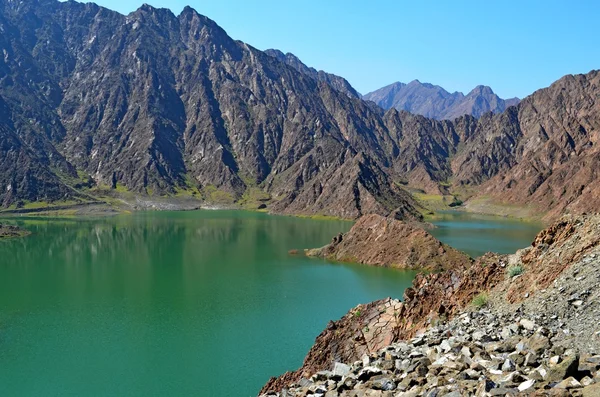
(504, 305)
(8, 231)
(435, 102)
(379, 241)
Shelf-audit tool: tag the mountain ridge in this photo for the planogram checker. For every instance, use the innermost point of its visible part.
(337, 82)
(434, 101)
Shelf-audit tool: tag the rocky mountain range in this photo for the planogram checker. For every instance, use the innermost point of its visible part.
(435, 102)
(156, 104)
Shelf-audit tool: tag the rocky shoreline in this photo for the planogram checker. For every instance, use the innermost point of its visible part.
(521, 324)
(476, 354)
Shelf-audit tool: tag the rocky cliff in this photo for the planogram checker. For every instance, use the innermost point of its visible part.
(518, 316)
(435, 102)
(337, 82)
(545, 152)
(379, 241)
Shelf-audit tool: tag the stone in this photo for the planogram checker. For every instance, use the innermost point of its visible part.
(321, 376)
(591, 390)
(526, 385)
(527, 324)
(479, 336)
(566, 368)
(367, 373)
(366, 360)
(446, 346)
(502, 391)
(465, 351)
(383, 384)
(508, 366)
(340, 369)
(531, 360)
(569, 383)
(538, 343)
(586, 381)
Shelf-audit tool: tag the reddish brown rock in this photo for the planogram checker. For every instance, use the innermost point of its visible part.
(543, 154)
(552, 251)
(379, 241)
(364, 330)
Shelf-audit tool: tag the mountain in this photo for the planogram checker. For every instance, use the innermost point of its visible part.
(161, 104)
(156, 105)
(435, 102)
(544, 153)
(337, 82)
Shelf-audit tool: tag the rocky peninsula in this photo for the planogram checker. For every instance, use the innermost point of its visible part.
(381, 241)
(521, 324)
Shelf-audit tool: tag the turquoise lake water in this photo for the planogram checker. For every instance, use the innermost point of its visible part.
(203, 303)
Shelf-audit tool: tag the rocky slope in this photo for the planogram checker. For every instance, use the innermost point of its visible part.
(476, 354)
(542, 300)
(379, 241)
(544, 153)
(435, 102)
(337, 82)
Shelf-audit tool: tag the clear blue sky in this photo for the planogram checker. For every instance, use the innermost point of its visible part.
(515, 47)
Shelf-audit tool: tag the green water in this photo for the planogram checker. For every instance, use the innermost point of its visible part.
(478, 234)
(205, 303)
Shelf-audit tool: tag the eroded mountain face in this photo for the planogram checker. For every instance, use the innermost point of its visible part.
(157, 103)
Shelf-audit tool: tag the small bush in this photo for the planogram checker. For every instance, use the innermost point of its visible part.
(456, 203)
(515, 271)
(480, 300)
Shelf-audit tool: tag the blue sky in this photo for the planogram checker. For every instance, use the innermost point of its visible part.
(515, 47)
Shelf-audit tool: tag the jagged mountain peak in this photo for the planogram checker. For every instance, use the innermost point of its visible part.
(434, 101)
(481, 90)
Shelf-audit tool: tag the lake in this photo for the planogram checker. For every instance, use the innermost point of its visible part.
(203, 303)
(170, 303)
(477, 234)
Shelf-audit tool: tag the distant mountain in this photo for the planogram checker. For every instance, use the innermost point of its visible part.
(435, 102)
(337, 82)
